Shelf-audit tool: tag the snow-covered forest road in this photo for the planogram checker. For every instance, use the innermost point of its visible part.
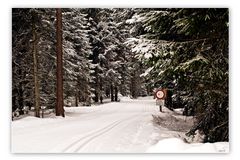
(124, 126)
(86, 56)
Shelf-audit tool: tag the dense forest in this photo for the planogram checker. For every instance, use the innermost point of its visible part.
(77, 57)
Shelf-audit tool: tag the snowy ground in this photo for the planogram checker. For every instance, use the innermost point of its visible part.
(118, 127)
(176, 145)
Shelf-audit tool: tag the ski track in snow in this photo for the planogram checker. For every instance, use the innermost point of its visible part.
(121, 127)
(90, 137)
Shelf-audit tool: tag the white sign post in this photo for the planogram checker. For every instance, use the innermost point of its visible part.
(160, 102)
(160, 95)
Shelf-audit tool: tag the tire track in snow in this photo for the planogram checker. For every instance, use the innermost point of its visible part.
(90, 137)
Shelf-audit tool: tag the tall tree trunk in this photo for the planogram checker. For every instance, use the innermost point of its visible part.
(80, 97)
(84, 95)
(76, 99)
(101, 98)
(133, 88)
(96, 85)
(111, 92)
(101, 91)
(59, 94)
(134, 85)
(88, 99)
(96, 96)
(20, 100)
(88, 95)
(107, 92)
(19, 91)
(35, 70)
(116, 93)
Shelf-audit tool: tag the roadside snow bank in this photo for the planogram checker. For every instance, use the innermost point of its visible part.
(176, 145)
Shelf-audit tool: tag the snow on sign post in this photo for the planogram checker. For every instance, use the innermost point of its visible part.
(160, 95)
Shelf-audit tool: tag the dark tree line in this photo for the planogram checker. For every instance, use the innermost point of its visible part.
(87, 43)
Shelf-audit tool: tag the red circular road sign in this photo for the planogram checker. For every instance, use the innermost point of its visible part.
(161, 94)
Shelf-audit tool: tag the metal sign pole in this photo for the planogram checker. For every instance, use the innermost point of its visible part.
(160, 108)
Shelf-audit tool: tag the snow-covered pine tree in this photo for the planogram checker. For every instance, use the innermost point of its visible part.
(120, 15)
(22, 84)
(139, 48)
(110, 55)
(109, 58)
(187, 53)
(27, 25)
(77, 50)
(47, 58)
(92, 18)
